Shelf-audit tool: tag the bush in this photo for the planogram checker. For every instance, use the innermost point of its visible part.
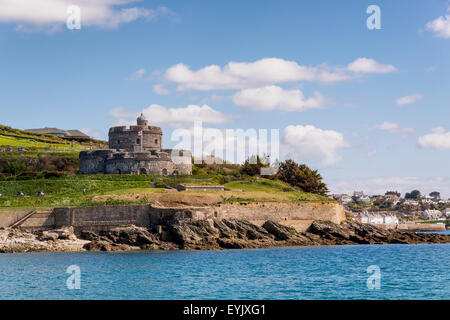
(14, 168)
(302, 177)
(53, 174)
(199, 171)
(23, 177)
(220, 179)
(159, 184)
(253, 165)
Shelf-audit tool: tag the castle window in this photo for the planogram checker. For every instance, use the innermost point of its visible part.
(156, 141)
(138, 141)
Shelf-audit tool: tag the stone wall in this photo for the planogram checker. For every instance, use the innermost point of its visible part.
(119, 162)
(299, 216)
(93, 162)
(41, 220)
(130, 140)
(102, 218)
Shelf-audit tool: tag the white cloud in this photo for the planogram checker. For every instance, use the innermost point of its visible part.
(137, 75)
(159, 89)
(409, 99)
(395, 129)
(365, 65)
(96, 134)
(308, 143)
(439, 139)
(401, 184)
(440, 26)
(241, 75)
(431, 69)
(175, 117)
(273, 97)
(120, 112)
(52, 14)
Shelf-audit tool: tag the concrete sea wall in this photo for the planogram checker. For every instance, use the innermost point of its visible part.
(299, 215)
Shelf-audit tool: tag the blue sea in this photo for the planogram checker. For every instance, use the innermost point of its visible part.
(330, 272)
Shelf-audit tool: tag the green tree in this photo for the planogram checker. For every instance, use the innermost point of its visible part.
(252, 166)
(394, 193)
(302, 177)
(415, 194)
(435, 194)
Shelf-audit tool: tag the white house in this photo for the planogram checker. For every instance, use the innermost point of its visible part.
(431, 214)
(376, 218)
(343, 198)
(390, 219)
(426, 201)
(446, 212)
(365, 199)
(411, 202)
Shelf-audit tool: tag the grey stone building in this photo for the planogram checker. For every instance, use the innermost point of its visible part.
(136, 150)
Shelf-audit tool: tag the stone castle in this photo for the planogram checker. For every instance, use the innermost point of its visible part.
(136, 150)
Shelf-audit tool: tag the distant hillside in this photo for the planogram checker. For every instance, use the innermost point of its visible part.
(11, 137)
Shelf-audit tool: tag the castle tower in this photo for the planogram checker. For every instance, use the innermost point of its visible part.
(138, 138)
(141, 121)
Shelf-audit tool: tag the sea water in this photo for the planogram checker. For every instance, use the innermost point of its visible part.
(331, 272)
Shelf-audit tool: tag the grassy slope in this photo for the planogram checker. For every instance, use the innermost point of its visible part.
(11, 137)
(121, 189)
(127, 189)
(24, 142)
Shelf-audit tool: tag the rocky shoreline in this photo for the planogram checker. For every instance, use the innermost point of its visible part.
(208, 235)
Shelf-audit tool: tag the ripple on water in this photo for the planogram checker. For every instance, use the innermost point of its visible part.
(334, 272)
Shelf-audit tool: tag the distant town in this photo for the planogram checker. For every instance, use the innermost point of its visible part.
(392, 208)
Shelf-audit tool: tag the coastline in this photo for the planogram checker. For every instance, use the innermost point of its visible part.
(208, 234)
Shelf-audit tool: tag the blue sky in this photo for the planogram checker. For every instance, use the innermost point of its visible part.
(368, 108)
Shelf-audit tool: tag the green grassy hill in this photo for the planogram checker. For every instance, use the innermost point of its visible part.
(50, 163)
(42, 153)
(11, 137)
(141, 189)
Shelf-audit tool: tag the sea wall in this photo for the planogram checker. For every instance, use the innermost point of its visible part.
(41, 220)
(424, 227)
(299, 216)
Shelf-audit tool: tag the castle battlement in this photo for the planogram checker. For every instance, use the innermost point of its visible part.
(136, 150)
(135, 129)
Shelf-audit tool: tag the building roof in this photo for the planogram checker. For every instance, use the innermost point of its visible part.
(56, 131)
(141, 118)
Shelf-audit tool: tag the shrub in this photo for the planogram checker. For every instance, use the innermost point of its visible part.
(302, 177)
(14, 168)
(253, 165)
(23, 177)
(53, 174)
(220, 179)
(159, 184)
(199, 171)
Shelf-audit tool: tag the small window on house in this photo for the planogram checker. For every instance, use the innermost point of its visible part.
(138, 141)
(156, 141)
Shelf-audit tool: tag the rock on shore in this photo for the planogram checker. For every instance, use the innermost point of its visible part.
(241, 234)
(209, 235)
(15, 240)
